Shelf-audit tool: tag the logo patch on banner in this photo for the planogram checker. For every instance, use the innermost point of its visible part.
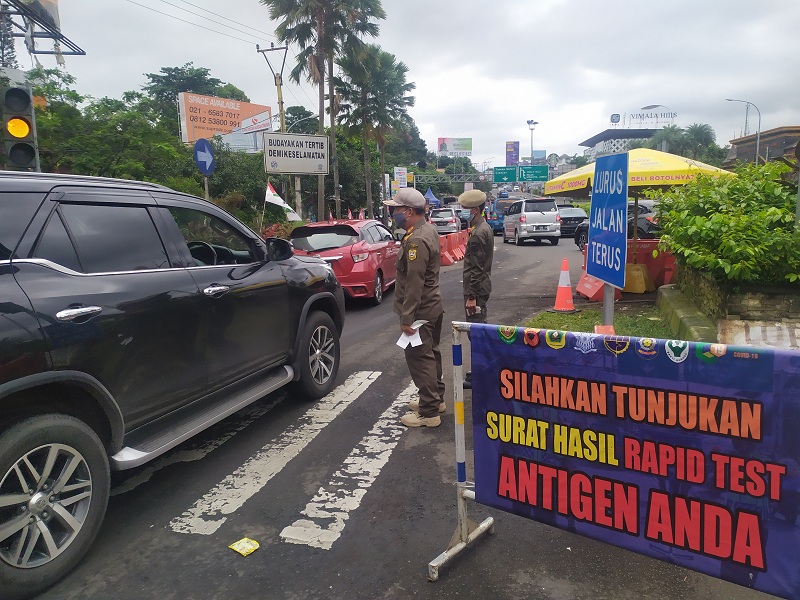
(556, 339)
(508, 334)
(677, 350)
(531, 337)
(584, 342)
(710, 352)
(617, 344)
(647, 348)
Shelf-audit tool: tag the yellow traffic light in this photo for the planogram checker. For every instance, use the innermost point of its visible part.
(18, 127)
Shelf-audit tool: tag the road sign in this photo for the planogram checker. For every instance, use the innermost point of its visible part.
(504, 174)
(606, 252)
(401, 176)
(533, 172)
(296, 153)
(204, 156)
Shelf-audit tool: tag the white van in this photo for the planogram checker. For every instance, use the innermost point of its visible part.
(532, 219)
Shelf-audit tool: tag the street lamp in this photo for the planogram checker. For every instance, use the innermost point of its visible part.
(758, 131)
(532, 125)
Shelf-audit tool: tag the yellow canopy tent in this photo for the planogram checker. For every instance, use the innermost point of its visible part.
(647, 169)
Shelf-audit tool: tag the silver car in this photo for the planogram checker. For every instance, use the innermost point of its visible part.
(446, 220)
(532, 219)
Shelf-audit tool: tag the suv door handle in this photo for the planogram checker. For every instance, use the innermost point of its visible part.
(215, 289)
(70, 314)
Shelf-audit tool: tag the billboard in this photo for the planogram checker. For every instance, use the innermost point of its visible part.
(401, 176)
(259, 122)
(512, 154)
(206, 116)
(454, 146)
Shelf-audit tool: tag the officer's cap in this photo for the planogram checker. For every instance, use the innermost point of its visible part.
(472, 199)
(407, 197)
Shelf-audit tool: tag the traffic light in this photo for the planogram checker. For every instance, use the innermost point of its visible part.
(19, 129)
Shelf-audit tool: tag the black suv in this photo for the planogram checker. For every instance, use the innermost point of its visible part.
(131, 318)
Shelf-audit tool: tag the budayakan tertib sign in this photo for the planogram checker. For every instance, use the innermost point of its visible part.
(296, 153)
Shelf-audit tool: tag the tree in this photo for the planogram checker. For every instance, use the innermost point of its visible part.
(669, 139)
(322, 28)
(8, 51)
(699, 136)
(301, 120)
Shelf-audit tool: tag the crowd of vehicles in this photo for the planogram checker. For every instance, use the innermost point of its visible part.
(646, 223)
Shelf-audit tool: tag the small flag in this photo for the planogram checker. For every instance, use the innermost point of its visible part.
(361, 214)
(330, 215)
(349, 214)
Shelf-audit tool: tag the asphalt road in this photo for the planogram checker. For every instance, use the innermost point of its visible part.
(347, 503)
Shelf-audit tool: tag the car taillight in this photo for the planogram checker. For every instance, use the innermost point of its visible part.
(523, 219)
(452, 220)
(358, 257)
(653, 220)
(558, 217)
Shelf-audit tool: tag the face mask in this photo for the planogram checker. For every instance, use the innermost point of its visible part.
(400, 219)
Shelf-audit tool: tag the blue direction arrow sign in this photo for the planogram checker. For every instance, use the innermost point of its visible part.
(504, 174)
(606, 252)
(204, 156)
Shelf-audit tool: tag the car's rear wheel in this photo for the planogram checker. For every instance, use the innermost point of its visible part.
(377, 290)
(53, 496)
(582, 240)
(554, 241)
(319, 357)
(517, 239)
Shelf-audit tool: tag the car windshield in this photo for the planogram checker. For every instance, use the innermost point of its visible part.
(540, 206)
(317, 239)
(441, 214)
(569, 211)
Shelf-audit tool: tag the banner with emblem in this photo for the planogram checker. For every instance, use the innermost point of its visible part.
(683, 451)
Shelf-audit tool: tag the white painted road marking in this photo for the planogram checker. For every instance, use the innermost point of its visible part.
(208, 513)
(329, 510)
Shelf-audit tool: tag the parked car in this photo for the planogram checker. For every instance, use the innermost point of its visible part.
(533, 218)
(445, 220)
(132, 317)
(571, 217)
(647, 224)
(503, 194)
(362, 253)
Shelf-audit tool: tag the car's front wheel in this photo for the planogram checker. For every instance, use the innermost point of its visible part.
(319, 357)
(53, 497)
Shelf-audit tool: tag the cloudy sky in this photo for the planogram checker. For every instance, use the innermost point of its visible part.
(483, 68)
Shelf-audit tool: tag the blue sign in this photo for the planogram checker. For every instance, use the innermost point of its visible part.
(204, 156)
(683, 451)
(606, 252)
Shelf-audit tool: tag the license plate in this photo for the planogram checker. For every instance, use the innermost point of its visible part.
(541, 228)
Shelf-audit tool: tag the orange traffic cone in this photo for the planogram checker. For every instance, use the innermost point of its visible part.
(564, 292)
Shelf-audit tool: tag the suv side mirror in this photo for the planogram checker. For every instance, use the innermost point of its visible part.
(278, 249)
(398, 234)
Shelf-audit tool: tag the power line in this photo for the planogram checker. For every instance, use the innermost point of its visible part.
(224, 17)
(217, 22)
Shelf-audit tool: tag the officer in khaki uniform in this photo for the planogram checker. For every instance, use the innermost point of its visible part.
(417, 297)
(477, 262)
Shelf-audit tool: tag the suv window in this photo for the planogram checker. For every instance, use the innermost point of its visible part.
(108, 238)
(316, 239)
(16, 211)
(211, 240)
(442, 213)
(540, 206)
(55, 245)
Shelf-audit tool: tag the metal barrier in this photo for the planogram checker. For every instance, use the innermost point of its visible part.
(467, 531)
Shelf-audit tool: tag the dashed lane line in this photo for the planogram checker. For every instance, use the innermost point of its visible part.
(330, 509)
(209, 512)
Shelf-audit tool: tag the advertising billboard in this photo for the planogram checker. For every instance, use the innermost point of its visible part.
(512, 154)
(454, 146)
(206, 116)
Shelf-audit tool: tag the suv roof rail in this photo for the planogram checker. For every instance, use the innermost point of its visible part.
(78, 178)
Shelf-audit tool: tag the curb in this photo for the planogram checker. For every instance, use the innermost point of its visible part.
(684, 319)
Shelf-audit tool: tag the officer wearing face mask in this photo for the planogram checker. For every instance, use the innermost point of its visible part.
(417, 297)
(477, 262)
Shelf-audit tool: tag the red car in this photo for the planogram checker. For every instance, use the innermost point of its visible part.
(361, 252)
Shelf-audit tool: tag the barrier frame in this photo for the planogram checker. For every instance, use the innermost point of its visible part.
(467, 531)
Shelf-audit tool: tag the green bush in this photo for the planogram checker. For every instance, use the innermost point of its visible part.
(737, 229)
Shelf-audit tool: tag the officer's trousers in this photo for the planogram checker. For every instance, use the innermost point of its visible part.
(425, 365)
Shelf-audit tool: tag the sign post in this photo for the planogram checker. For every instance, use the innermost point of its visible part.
(606, 250)
(204, 158)
(504, 174)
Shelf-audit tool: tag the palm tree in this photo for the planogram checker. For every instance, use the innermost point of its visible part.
(322, 29)
(373, 96)
(699, 136)
(669, 139)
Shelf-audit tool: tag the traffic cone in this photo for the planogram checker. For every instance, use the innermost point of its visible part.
(564, 292)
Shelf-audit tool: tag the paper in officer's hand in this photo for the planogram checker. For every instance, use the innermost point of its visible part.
(415, 339)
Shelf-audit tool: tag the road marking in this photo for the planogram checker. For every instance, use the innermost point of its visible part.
(329, 510)
(245, 417)
(208, 513)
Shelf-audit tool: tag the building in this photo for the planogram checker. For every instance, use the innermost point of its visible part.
(614, 140)
(773, 143)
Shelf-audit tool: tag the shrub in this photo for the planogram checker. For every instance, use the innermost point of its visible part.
(737, 229)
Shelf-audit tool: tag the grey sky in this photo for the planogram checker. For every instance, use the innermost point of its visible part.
(483, 68)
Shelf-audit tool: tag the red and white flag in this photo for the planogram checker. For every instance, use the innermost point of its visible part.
(361, 214)
(349, 214)
(330, 215)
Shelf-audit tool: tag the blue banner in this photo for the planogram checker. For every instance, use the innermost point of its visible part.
(686, 452)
